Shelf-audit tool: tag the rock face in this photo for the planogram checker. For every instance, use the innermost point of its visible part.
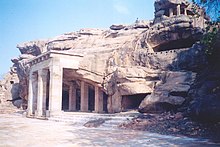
(176, 25)
(9, 92)
(205, 95)
(172, 89)
(159, 59)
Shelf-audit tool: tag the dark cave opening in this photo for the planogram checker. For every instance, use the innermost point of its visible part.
(130, 102)
(176, 44)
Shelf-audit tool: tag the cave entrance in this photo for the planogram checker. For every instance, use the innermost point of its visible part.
(176, 44)
(131, 102)
(66, 100)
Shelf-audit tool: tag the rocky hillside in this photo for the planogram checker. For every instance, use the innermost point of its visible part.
(205, 91)
(9, 93)
(160, 58)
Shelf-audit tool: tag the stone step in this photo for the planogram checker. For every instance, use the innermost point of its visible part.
(111, 120)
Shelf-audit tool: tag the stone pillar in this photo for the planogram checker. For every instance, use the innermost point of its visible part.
(56, 87)
(109, 104)
(84, 97)
(31, 94)
(41, 99)
(72, 97)
(171, 12)
(178, 10)
(185, 11)
(98, 100)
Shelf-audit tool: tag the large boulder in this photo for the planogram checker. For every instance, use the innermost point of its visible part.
(169, 93)
(117, 27)
(9, 91)
(142, 24)
(173, 33)
(95, 123)
(34, 48)
(177, 24)
(205, 94)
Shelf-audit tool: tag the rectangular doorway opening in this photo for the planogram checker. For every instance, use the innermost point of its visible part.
(132, 102)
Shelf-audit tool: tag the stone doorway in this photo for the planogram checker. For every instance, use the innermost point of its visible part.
(131, 102)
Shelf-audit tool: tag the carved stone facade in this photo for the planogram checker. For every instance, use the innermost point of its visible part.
(48, 82)
(176, 8)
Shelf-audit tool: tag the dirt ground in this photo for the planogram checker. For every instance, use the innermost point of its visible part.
(174, 124)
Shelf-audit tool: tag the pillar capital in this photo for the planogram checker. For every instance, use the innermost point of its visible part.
(33, 76)
(43, 72)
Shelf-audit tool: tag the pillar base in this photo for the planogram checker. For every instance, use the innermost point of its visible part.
(53, 113)
(84, 111)
(40, 114)
(72, 110)
(41, 117)
(29, 114)
(98, 112)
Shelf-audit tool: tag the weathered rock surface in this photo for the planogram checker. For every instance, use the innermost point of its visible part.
(171, 90)
(34, 48)
(173, 33)
(159, 58)
(9, 92)
(176, 25)
(117, 27)
(95, 123)
(205, 94)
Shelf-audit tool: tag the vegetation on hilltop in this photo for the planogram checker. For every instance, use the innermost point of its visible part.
(210, 39)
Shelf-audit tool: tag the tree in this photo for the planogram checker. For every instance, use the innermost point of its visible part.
(212, 8)
(212, 35)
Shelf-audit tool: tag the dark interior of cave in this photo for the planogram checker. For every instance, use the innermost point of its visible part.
(176, 44)
(130, 102)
